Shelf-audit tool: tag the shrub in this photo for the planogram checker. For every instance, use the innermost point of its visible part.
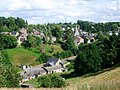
(45, 81)
(52, 80)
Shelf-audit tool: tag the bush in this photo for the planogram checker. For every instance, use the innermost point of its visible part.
(8, 74)
(45, 81)
(43, 58)
(64, 54)
(7, 41)
(52, 80)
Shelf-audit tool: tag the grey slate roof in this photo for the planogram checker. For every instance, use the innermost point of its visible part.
(52, 61)
(52, 68)
(32, 72)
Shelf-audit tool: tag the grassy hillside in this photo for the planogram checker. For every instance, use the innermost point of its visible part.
(47, 48)
(108, 80)
(20, 55)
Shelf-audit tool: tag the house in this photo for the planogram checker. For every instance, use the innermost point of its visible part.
(7, 33)
(52, 69)
(14, 33)
(32, 73)
(78, 40)
(23, 31)
(53, 39)
(91, 40)
(63, 29)
(53, 61)
(26, 86)
(24, 67)
(54, 65)
(22, 36)
(35, 33)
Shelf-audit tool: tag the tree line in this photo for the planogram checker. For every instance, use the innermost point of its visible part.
(12, 24)
(97, 56)
(96, 27)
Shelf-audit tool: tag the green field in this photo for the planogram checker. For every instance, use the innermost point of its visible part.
(47, 48)
(20, 55)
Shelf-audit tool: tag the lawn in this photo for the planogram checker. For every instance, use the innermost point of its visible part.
(20, 55)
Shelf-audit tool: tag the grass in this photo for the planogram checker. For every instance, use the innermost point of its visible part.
(20, 55)
(106, 80)
(47, 48)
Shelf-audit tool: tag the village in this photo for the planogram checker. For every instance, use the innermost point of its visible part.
(53, 65)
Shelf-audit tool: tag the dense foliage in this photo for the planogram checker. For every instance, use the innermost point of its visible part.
(99, 55)
(11, 24)
(43, 58)
(52, 80)
(8, 75)
(64, 54)
(88, 60)
(7, 41)
(32, 41)
(95, 27)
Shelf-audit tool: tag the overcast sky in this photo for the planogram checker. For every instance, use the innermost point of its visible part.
(53, 11)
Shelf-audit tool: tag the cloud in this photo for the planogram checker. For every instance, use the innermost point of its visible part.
(114, 5)
(44, 11)
(19, 5)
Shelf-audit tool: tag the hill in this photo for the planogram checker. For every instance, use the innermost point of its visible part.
(108, 79)
(20, 55)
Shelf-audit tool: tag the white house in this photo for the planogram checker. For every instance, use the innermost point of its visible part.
(22, 36)
(78, 40)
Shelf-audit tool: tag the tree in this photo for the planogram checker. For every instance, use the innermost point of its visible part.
(69, 45)
(7, 41)
(114, 27)
(100, 36)
(64, 54)
(110, 46)
(45, 81)
(8, 75)
(20, 22)
(43, 58)
(56, 31)
(32, 41)
(52, 80)
(88, 59)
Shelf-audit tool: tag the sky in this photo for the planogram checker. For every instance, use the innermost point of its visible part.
(55, 11)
